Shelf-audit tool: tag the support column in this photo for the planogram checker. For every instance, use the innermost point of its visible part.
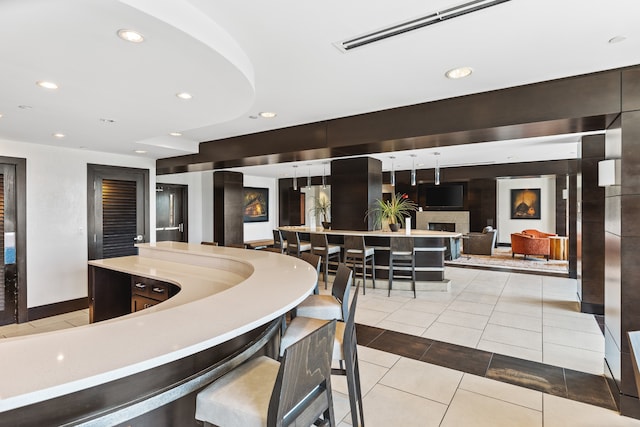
(228, 192)
(622, 246)
(591, 229)
(355, 186)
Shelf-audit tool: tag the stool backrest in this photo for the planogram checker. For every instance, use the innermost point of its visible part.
(319, 242)
(302, 391)
(401, 244)
(277, 239)
(342, 287)
(352, 243)
(293, 242)
(316, 262)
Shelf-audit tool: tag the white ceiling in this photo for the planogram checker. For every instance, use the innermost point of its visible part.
(239, 58)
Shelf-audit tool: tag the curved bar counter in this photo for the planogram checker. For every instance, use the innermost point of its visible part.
(228, 297)
(430, 247)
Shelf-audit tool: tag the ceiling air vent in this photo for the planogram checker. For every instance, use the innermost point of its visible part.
(414, 24)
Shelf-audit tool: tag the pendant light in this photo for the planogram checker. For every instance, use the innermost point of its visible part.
(295, 178)
(413, 171)
(437, 170)
(393, 172)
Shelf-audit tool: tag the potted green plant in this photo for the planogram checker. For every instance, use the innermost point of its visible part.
(321, 206)
(393, 211)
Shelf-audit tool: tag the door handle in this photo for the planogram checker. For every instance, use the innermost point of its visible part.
(181, 227)
(139, 238)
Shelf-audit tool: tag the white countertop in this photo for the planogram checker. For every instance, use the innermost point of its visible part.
(375, 233)
(224, 292)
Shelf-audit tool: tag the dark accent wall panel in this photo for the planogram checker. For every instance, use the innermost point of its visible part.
(356, 184)
(482, 203)
(591, 231)
(228, 225)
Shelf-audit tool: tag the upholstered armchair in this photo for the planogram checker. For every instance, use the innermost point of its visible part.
(480, 243)
(530, 242)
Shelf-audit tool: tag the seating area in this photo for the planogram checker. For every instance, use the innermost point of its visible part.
(530, 242)
(296, 390)
(481, 243)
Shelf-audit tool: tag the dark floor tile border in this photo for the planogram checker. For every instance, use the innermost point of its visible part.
(562, 382)
(506, 269)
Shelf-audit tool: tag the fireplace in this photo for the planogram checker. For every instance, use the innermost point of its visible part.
(442, 226)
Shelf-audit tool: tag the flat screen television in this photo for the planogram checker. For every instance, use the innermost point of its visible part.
(445, 196)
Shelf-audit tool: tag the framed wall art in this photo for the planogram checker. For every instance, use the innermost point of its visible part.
(525, 203)
(256, 204)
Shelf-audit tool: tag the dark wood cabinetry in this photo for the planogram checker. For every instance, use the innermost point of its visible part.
(147, 292)
(113, 293)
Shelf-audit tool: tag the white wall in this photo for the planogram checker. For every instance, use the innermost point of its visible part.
(547, 221)
(57, 216)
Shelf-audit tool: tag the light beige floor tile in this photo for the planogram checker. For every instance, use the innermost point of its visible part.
(16, 327)
(485, 288)
(370, 374)
(426, 306)
(468, 320)
(562, 307)
(573, 358)
(586, 323)
(401, 327)
(476, 297)
(40, 329)
(453, 334)
(380, 304)
(569, 338)
(513, 336)
(386, 407)
(411, 317)
(498, 390)
(341, 408)
(377, 357)
(471, 307)
(53, 319)
(369, 317)
(530, 323)
(559, 412)
(423, 379)
(80, 320)
(526, 307)
(471, 409)
(510, 350)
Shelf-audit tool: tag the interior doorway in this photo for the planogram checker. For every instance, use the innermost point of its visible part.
(172, 213)
(13, 284)
(117, 210)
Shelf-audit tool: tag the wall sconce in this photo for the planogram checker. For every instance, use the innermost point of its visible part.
(609, 172)
(295, 177)
(437, 170)
(413, 170)
(393, 172)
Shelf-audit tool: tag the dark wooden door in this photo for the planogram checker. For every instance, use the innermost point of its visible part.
(118, 217)
(171, 213)
(8, 259)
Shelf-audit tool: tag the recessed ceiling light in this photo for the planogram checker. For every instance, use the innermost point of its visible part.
(25, 107)
(175, 134)
(184, 95)
(617, 39)
(130, 36)
(59, 135)
(140, 151)
(253, 117)
(0, 116)
(107, 121)
(268, 114)
(47, 85)
(458, 73)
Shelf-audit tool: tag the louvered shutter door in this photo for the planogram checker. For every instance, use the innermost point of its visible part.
(119, 218)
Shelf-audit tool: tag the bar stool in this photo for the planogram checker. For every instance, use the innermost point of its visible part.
(278, 241)
(356, 253)
(402, 253)
(345, 350)
(320, 246)
(334, 306)
(263, 392)
(316, 262)
(294, 246)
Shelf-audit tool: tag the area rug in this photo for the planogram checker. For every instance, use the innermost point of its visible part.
(501, 258)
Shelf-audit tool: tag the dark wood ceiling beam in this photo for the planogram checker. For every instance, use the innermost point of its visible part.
(575, 104)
